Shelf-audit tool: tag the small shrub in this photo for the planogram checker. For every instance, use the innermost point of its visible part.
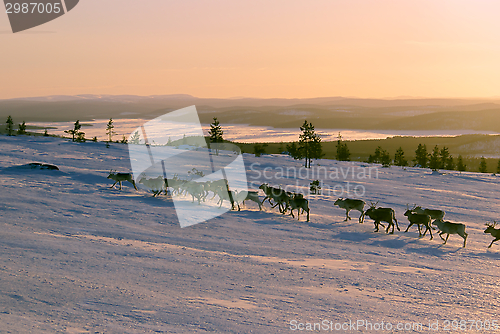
(315, 187)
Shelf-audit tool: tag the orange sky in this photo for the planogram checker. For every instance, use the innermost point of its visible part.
(272, 48)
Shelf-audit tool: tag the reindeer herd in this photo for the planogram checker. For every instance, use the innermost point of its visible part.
(423, 218)
(288, 201)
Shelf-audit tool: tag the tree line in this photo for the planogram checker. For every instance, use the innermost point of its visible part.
(308, 147)
(435, 160)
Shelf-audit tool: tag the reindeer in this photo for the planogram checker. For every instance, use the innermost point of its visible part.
(217, 187)
(435, 214)
(195, 189)
(155, 185)
(299, 202)
(418, 219)
(241, 197)
(175, 183)
(120, 177)
(228, 195)
(493, 231)
(280, 196)
(351, 204)
(450, 228)
(382, 214)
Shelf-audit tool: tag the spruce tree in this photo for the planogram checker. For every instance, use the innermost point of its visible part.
(421, 156)
(110, 131)
(293, 151)
(136, 138)
(444, 155)
(342, 153)
(482, 165)
(434, 161)
(377, 156)
(450, 163)
(9, 123)
(259, 149)
(215, 134)
(309, 144)
(399, 158)
(75, 133)
(460, 164)
(385, 158)
(21, 129)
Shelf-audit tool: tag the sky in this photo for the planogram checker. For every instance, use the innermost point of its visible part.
(265, 49)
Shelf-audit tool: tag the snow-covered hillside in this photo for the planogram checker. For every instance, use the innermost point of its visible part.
(79, 257)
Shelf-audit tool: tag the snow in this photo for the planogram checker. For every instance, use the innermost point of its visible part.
(244, 133)
(79, 257)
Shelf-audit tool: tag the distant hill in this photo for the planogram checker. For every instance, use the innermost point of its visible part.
(324, 112)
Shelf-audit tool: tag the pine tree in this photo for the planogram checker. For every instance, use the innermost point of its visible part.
(110, 131)
(21, 129)
(399, 158)
(309, 144)
(342, 153)
(434, 161)
(460, 164)
(482, 165)
(75, 133)
(421, 156)
(216, 133)
(9, 123)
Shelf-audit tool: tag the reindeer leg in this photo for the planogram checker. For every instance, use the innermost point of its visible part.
(113, 185)
(347, 215)
(409, 228)
(447, 236)
(120, 185)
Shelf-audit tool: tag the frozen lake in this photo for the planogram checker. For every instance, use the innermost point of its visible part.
(248, 134)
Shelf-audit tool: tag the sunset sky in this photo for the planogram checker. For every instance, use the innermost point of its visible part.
(271, 48)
